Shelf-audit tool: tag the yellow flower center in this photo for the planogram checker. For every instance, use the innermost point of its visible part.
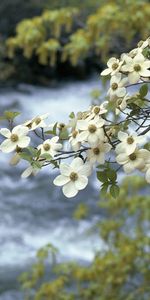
(114, 86)
(92, 128)
(114, 66)
(46, 147)
(96, 110)
(133, 156)
(73, 176)
(130, 140)
(96, 151)
(14, 138)
(137, 68)
(74, 134)
(37, 120)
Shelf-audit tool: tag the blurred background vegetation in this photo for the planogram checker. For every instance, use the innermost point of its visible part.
(41, 40)
(121, 271)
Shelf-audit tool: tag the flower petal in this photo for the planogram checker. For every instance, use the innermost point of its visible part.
(20, 130)
(61, 180)
(81, 183)
(23, 141)
(5, 132)
(65, 169)
(76, 164)
(7, 146)
(69, 190)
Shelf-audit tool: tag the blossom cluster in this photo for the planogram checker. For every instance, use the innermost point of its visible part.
(114, 133)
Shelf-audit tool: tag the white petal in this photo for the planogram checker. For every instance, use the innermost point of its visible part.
(130, 148)
(128, 168)
(85, 170)
(82, 124)
(122, 158)
(121, 92)
(82, 136)
(93, 139)
(122, 136)
(81, 183)
(133, 77)
(147, 176)
(23, 141)
(61, 180)
(7, 146)
(145, 73)
(27, 172)
(101, 158)
(54, 139)
(5, 132)
(70, 190)
(65, 169)
(76, 164)
(106, 72)
(20, 130)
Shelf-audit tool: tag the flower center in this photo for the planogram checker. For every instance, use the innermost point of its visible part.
(14, 138)
(114, 86)
(74, 134)
(114, 66)
(130, 140)
(37, 120)
(61, 126)
(137, 68)
(73, 176)
(92, 128)
(132, 156)
(46, 147)
(96, 110)
(96, 151)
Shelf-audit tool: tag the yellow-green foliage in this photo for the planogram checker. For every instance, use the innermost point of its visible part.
(121, 271)
(59, 31)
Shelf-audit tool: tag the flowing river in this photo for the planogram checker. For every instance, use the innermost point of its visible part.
(33, 212)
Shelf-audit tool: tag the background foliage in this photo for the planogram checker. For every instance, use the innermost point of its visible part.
(71, 35)
(120, 271)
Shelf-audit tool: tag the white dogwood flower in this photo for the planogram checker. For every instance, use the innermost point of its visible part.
(97, 154)
(136, 67)
(37, 122)
(15, 138)
(50, 146)
(75, 144)
(92, 131)
(117, 86)
(129, 142)
(74, 177)
(97, 110)
(114, 66)
(121, 104)
(136, 160)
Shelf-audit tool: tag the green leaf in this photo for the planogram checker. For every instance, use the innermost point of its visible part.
(33, 151)
(10, 115)
(36, 165)
(72, 115)
(102, 176)
(143, 90)
(111, 174)
(104, 189)
(114, 190)
(46, 156)
(25, 156)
